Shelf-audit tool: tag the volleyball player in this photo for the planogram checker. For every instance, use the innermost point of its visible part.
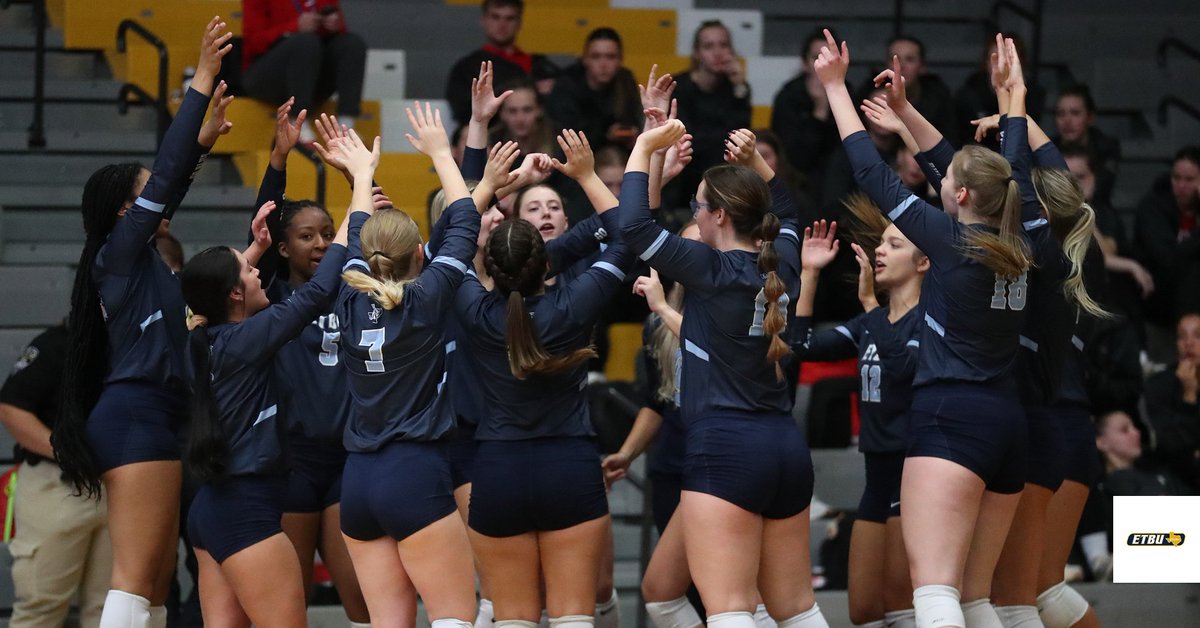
(125, 388)
(964, 468)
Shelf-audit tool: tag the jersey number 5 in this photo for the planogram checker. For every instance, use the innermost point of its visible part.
(373, 340)
(329, 348)
(1011, 294)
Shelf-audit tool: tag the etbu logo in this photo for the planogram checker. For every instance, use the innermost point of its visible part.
(1156, 539)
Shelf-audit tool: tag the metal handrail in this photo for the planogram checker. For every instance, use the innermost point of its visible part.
(37, 128)
(319, 165)
(160, 107)
(164, 114)
(1174, 42)
(1172, 100)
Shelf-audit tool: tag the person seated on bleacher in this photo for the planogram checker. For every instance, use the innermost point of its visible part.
(977, 97)
(597, 95)
(1172, 413)
(301, 49)
(1167, 237)
(802, 119)
(927, 92)
(1075, 117)
(501, 21)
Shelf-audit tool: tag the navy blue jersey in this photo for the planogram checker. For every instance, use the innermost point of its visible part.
(667, 452)
(1072, 383)
(241, 367)
(143, 305)
(541, 405)
(725, 366)
(973, 317)
(887, 360)
(396, 358)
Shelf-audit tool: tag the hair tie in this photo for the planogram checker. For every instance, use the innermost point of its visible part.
(1010, 179)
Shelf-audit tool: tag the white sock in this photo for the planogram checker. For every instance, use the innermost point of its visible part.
(811, 618)
(762, 618)
(981, 614)
(1095, 549)
(125, 610)
(486, 616)
(572, 621)
(936, 605)
(1019, 616)
(677, 613)
(359, 624)
(732, 619)
(906, 618)
(450, 622)
(608, 614)
(158, 617)
(1061, 606)
(515, 623)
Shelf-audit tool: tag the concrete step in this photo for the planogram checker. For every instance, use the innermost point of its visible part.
(28, 167)
(35, 296)
(62, 88)
(25, 196)
(18, 116)
(64, 227)
(60, 64)
(82, 140)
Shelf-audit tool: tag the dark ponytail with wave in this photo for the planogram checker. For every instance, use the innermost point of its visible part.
(106, 192)
(207, 280)
(516, 261)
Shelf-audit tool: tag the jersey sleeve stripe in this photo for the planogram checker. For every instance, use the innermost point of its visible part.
(843, 330)
(1078, 342)
(654, 247)
(451, 346)
(694, 350)
(150, 205)
(156, 316)
(356, 263)
(451, 262)
(935, 326)
(786, 231)
(914, 344)
(266, 414)
(1029, 343)
(613, 270)
(1034, 224)
(901, 208)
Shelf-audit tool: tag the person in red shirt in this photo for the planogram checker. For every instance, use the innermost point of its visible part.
(301, 49)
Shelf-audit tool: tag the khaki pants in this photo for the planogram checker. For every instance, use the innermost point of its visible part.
(61, 545)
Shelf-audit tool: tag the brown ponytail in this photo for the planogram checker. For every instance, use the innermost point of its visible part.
(773, 288)
(998, 203)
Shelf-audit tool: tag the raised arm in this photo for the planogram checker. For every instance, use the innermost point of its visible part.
(431, 140)
(484, 105)
(260, 242)
(1015, 144)
(581, 166)
(897, 353)
(923, 132)
(651, 288)
(819, 248)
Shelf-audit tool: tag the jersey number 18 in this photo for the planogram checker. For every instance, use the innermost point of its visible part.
(1011, 294)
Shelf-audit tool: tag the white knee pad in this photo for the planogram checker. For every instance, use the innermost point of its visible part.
(906, 618)
(572, 621)
(811, 618)
(936, 605)
(981, 614)
(158, 617)
(732, 619)
(1060, 606)
(486, 616)
(515, 623)
(608, 614)
(677, 613)
(125, 610)
(762, 618)
(1019, 616)
(450, 622)
(359, 624)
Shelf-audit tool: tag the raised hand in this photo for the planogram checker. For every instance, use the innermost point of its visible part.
(740, 147)
(832, 64)
(656, 93)
(498, 171)
(431, 135)
(287, 131)
(866, 278)
(330, 132)
(359, 160)
(580, 160)
(999, 65)
(484, 103)
(216, 125)
(379, 200)
(679, 155)
(1016, 75)
(894, 85)
(214, 45)
(820, 245)
(661, 137)
(258, 226)
(986, 125)
(651, 289)
(878, 111)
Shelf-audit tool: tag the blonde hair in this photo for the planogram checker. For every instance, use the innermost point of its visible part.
(438, 204)
(997, 196)
(389, 239)
(1072, 221)
(664, 344)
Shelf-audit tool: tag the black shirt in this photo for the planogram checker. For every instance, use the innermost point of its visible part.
(33, 383)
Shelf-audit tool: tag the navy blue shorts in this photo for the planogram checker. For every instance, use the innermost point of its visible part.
(664, 497)
(461, 452)
(1080, 458)
(228, 516)
(536, 485)
(976, 426)
(1047, 466)
(396, 491)
(760, 463)
(314, 482)
(881, 496)
(135, 422)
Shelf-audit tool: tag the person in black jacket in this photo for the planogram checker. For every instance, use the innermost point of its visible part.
(801, 116)
(1171, 413)
(927, 92)
(598, 96)
(1167, 237)
(1075, 117)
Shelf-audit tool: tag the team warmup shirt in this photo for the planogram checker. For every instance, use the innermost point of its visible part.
(541, 405)
(397, 358)
(887, 360)
(242, 360)
(972, 316)
(142, 303)
(725, 363)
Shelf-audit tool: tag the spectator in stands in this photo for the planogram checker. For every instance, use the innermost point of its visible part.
(610, 167)
(1075, 117)
(768, 144)
(523, 119)
(301, 49)
(61, 543)
(714, 99)
(1125, 471)
(977, 97)
(1172, 415)
(927, 92)
(501, 21)
(1167, 237)
(597, 95)
(802, 119)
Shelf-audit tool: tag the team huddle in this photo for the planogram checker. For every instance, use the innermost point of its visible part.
(417, 410)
